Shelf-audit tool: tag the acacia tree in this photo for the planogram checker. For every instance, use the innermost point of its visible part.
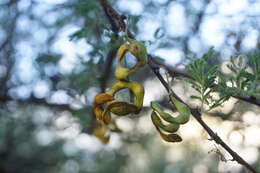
(203, 79)
(103, 28)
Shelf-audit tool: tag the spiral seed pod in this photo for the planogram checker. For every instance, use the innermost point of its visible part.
(105, 103)
(182, 118)
(184, 111)
(138, 50)
(171, 128)
(120, 107)
(135, 88)
(164, 115)
(122, 72)
(102, 98)
(99, 101)
(171, 137)
(175, 122)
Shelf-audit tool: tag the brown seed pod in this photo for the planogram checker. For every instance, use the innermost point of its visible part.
(99, 101)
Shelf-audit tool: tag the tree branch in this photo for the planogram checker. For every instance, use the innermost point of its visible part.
(177, 73)
(197, 115)
(107, 68)
(34, 100)
(195, 112)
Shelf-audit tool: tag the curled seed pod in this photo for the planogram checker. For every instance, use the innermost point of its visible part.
(182, 118)
(138, 50)
(102, 98)
(135, 88)
(99, 100)
(120, 108)
(171, 128)
(184, 111)
(170, 137)
(122, 72)
(105, 103)
(174, 122)
(106, 117)
(98, 111)
(164, 115)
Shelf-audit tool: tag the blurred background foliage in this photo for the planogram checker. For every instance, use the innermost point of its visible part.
(53, 56)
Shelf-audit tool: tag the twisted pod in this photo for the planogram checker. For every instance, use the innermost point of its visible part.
(173, 122)
(138, 50)
(105, 103)
(99, 100)
(119, 107)
(122, 108)
(101, 129)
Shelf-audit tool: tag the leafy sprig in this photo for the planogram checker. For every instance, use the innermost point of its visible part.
(245, 76)
(207, 79)
(204, 79)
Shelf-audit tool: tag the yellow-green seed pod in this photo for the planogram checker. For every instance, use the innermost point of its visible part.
(174, 122)
(184, 111)
(99, 101)
(171, 128)
(122, 72)
(117, 107)
(171, 137)
(135, 88)
(138, 50)
(121, 107)
(182, 118)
